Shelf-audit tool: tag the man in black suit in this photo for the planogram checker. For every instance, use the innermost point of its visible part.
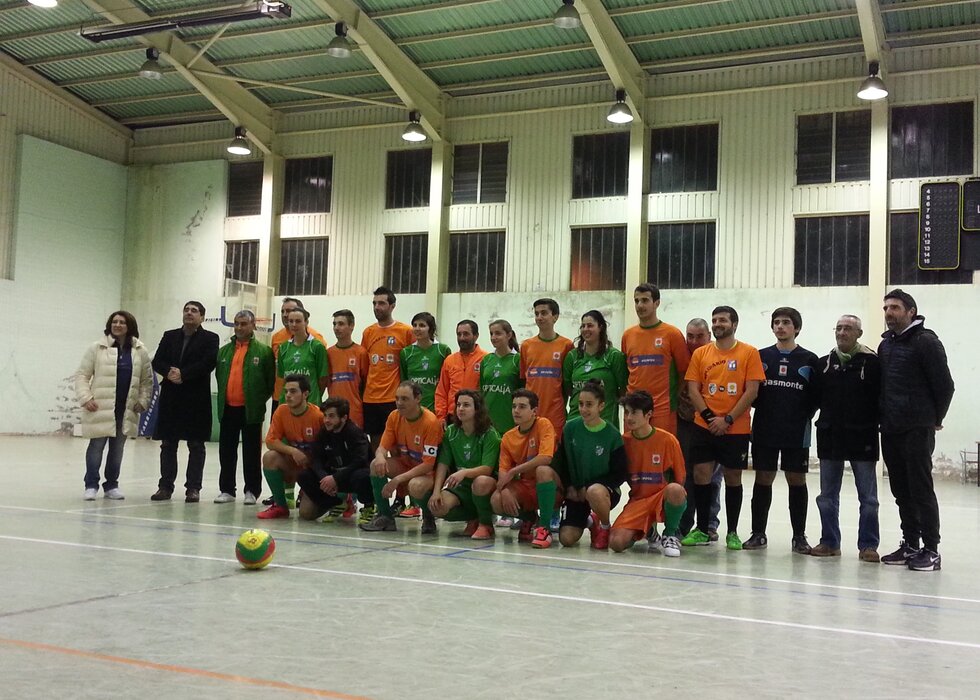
(185, 358)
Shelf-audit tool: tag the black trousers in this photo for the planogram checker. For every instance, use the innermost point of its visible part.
(233, 428)
(357, 481)
(908, 457)
(168, 464)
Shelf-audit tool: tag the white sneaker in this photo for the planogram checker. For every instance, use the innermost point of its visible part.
(655, 543)
(224, 498)
(505, 521)
(114, 494)
(90, 494)
(250, 498)
(672, 546)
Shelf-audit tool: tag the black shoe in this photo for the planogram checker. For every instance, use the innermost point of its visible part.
(192, 496)
(162, 495)
(925, 560)
(757, 541)
(428, 524)
(901, 556)
(800, 545)
(270, 501)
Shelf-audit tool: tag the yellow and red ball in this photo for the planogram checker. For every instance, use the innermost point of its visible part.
(255, 549)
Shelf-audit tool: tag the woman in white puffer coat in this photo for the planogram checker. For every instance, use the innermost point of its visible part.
(113, 386)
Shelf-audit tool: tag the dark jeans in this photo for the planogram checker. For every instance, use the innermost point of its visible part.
(93, 460)
(908, 457)
(233, 427)
(168, 464)
(685, 431)
(357, 481)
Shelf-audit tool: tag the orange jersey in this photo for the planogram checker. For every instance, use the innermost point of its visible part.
(722, 375)
(648, 461)
(278, 338)
(383, 346)
(298, 431)
(657, 358)
(413, 442)
(516, 447)
(348, 373)
(541, 370)
(458, 371)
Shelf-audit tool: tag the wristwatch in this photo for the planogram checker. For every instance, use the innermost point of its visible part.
(729, 420)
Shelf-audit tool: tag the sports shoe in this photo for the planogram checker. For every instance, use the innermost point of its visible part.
(224, 498)
(555, 522)
(351, 510)
(733, 542)
(380, 523)
(273, 512)
(250, 498)
(367, 514)
(696, 538)
(600, 540)
(504, 521)
(410, 512)
(90, 494)
(483, 532)
(270, 501)
(115, 494)
(868, 554)
(800, 545)
(901, 555)
(470, 528)
(516, 525)
(926, 560)
(713, 535)
(162, 495)
(428, 524)
(758, 540)
(527, 532)
(335, 513)
(822, 550)
(672, 546)
(655, 543)
(542, 538)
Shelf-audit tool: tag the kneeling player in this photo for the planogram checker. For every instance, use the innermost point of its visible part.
(527, 486)
(655, 465)
(595, 466)
(465, 466)
(293, 428)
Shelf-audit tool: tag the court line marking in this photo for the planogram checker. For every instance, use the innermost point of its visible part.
(530, 594)
(186, 670)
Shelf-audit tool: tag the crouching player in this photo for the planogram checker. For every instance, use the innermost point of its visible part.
(292, 432)
(406, 457)
(341, 455)
(655, 465)
(527, 486)
(595, 468)
(465, 466)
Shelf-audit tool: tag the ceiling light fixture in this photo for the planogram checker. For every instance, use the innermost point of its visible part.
(339, 46)
(44, 3)
(239, 145)
(414, 131)
(567, 16)
(873, 87)
(151, 67)
(620, 113)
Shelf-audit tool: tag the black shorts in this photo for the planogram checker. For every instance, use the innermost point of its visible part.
(730, 451)
(791, 459)
(577, 512)
(375, 417)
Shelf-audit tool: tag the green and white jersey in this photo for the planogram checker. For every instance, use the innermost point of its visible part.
(593, 455)
(310, 359)
(423, 367)
(608, 367)
(499, 378)
(462, 451)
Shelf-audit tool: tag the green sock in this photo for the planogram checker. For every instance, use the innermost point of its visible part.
(274, 478)
(546, 502)
(672, 516)
(290, 491)
(378, 483)
(484, 511)
(423, 503)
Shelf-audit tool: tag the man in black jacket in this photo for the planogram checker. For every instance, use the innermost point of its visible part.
(185, 358)
(846, 385)
(916, 390)
(341, 457)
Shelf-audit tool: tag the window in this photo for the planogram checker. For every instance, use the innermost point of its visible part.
(242, 261)
(930, 140)
(682, 256)
(476, 261)
(407, 183)
(684, 159)
(405, 261)
(833, 147)
(831, 251)
(598, 258)
(600, 164)
(480, 173)
(245, 188)
(307, 186)
(903, 249)
(303, 266)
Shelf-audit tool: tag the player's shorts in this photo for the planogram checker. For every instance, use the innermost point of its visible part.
(463, 491)
(577, 512)
(375, 417)
(526, 492)
(791, 459)
(667, 422)
(640, 513)
(730, 451)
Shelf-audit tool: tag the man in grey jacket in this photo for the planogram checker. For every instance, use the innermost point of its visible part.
(916, 390)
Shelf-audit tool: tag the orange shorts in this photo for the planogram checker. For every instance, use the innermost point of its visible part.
(526, 493)
(640, 513)
(667, 421)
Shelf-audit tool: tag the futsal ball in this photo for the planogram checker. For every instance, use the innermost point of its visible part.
(255, 549)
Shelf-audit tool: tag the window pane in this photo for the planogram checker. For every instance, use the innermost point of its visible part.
(245, 188)
(242, 261)
(684, 159)
(408, 176)
(598, 258)
(931, 140)
(814, 152)
(476, 262)
(466, 174)
(303, 266)
(307, 185)
(493, 173)
(405, 261)
(600, 164)
(853, 147)
(903, 236)
(682, 256)
(831, 251)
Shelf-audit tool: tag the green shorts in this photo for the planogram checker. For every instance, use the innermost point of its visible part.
(464, 492)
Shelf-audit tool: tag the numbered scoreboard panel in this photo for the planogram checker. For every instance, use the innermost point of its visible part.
(939, 226)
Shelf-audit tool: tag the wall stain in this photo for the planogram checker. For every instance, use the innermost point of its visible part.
(198, 217)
